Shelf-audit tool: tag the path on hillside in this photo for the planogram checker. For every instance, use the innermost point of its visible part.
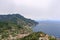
(22, 35)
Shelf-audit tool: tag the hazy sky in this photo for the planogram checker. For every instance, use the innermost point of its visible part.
(34, 9)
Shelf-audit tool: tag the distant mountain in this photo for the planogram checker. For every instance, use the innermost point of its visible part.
(18, 19)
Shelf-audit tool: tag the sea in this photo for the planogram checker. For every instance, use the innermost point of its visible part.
(49, 27)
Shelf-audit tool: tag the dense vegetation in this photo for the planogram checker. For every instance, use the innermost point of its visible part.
(35, 36)
(7, 29)
(11, 25)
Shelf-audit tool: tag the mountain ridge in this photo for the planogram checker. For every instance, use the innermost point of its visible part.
(16, 18)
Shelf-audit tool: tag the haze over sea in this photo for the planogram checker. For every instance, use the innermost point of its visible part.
(49, 27)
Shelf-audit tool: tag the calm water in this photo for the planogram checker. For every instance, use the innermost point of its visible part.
(49, 27)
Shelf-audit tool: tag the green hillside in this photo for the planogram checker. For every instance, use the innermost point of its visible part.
(14, 24)
(18, 19)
